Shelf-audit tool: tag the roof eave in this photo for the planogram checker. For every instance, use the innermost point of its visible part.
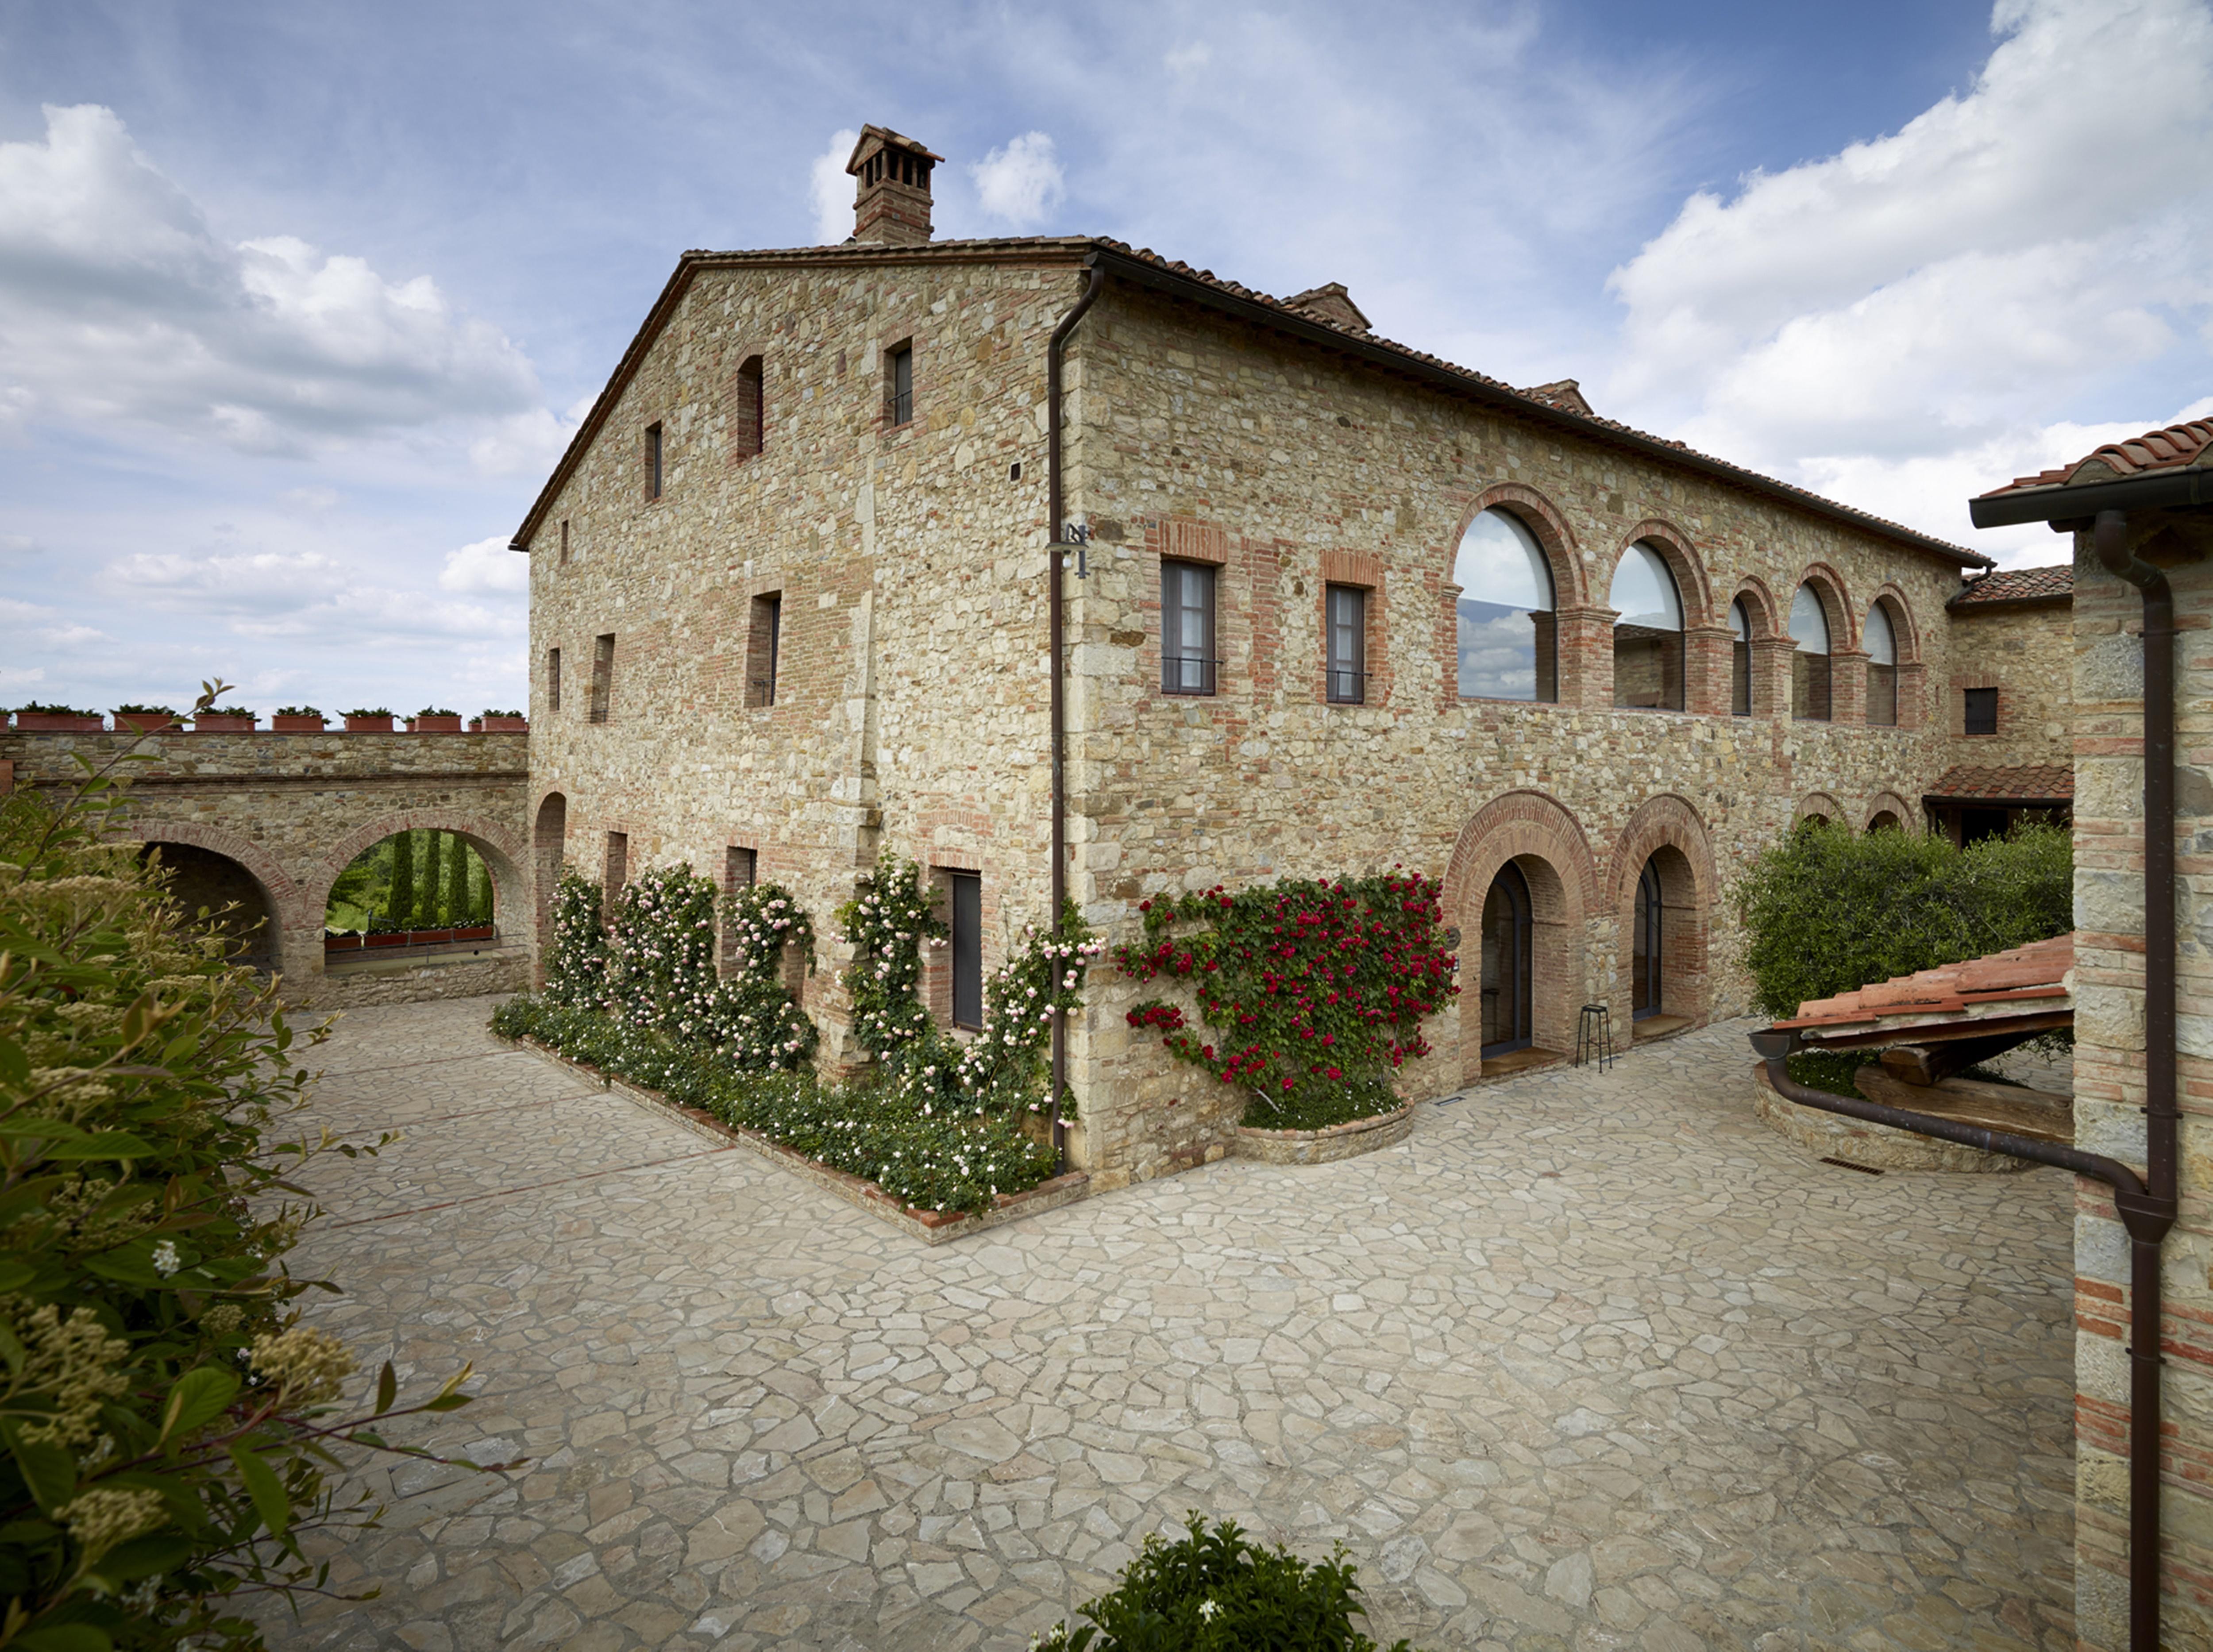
(2062, 501)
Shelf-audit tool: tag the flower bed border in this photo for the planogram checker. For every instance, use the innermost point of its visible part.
(930, 1227)
(1345, 1141)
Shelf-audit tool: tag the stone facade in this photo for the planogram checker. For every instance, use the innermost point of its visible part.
(906, 563)
(269, 820)
(2025, 650)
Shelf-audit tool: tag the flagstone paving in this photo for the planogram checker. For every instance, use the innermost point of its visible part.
(1588, 1362)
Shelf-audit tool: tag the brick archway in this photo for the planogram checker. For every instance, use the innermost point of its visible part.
(1889, 802)
(1821, 805)
(295, 928)
(1538, 835)
(504, 858)
(1669, 832)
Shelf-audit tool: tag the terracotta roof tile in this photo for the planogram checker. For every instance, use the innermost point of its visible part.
(2032, 976)
(2172, 449)
(2017, 585)
(2023, 782)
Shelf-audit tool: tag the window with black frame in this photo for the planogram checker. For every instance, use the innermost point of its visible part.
(1809, 661)
(966, 892)
(1507, 636)
(1647, 632)
(1739, 660)
(1187, 661)
(1347, 606)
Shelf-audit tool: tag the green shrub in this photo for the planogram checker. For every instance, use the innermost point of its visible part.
(166, 1425)
(1825, 911)
(1213, 1591)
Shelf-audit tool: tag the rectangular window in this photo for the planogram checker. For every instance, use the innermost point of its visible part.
(1188, 661)
(899, 383)
(564, 539)
(1740, 679)
(967, 925)
(1981, 715)
(1882, 696)
(618, 864)
(653, 461)
(554, 679)
(603, 676)
(1347, 606)
(745, 436)
(763, 643)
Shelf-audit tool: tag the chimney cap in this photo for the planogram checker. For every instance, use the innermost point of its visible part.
(1329, 303)
(873, 138)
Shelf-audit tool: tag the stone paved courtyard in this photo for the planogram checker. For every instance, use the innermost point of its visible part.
(1588, 1362)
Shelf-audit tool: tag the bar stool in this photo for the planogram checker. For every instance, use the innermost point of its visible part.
(1594, 1036)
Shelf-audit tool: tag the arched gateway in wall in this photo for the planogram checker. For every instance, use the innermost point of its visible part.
(1517, 888)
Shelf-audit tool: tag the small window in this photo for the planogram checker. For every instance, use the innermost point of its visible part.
(618, 864)
(603, 676)
(1188, 661)
(738, 870)
(762, 644)
(1881, 670)
(564, 539)
(745, 433)
(899, 384)
(1981, 716)
(653, 461)
(1348, 645)
(1741, 660)
(554, 679)
(967, 925)
(1809, 663)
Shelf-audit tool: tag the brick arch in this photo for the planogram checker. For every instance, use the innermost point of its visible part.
(1670, 828)
(1541, 518)
(505, 857)
(1823, 804)
(1534, 831)
(290, 918)
(1767, 618)
(1902, 623)
(1836, 602)
(1895, 804)
(1683, 561)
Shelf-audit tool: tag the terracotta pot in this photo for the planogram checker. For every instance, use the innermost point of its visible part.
(428, 938)
(435, 725)
(146, 723)
(507, 725)
(482, 932)
(222, 725)
(296, 725)
(398, 938)
(368, 725)
(341, 942)
(58, 722)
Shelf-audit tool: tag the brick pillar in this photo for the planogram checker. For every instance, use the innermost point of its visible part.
(1911, 685)
(1708, 658)
(1586, 642)
(1770, 676)
(1847, 685)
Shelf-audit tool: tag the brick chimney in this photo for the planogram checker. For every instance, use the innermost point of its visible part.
(1330, 305)
(891, 198)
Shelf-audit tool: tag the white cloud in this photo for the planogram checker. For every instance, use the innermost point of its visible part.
(1909, 322)
(119, 300)
(1021, 182)
(486, 565)
(530, 443)
(1188, 59)
(830, 189)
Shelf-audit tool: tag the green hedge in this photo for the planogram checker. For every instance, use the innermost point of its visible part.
(1825, 912)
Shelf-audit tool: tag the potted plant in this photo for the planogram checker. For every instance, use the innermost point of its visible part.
(58, 719)
(297, 720)
(435, 720)
(501, 723)
(341, 941)
(225, 720)
(146, 719)
(474, 932)
(373, 720)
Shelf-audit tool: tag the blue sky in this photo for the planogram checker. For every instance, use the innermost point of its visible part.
(298, 300)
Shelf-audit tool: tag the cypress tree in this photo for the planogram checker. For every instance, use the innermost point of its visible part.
(457, 880)
(399, 905)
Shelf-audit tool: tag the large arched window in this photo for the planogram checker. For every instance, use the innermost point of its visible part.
(1648, 634)
(1739, 659)
(1507, 646)
(1882, 668)
(1809, 664)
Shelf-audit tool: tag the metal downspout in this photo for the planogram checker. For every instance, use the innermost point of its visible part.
(1056, 626)
(2148, 1216)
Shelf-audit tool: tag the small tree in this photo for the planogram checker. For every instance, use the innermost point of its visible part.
(400, 904)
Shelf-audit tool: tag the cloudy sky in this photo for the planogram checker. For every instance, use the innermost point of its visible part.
(298, 300)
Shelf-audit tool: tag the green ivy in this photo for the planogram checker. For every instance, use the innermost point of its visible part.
(1314, 991)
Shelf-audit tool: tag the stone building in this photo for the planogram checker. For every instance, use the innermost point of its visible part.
(2141, 515)
(1342, 605)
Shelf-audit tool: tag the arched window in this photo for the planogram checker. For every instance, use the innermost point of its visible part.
(1507, 639)
(1648, 634)
(1882, 668)
(1809, 665)
(1740, 659)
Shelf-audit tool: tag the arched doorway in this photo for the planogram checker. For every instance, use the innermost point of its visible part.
(236, 906)
(548, 835)
(1647, 973)
(1508, 954)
